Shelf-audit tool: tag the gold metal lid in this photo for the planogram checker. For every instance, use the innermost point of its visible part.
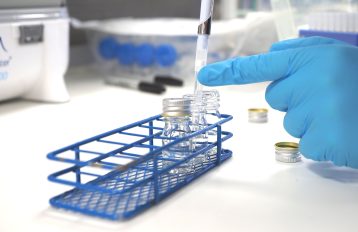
(289, 146)
(287, 152)
(258, 110)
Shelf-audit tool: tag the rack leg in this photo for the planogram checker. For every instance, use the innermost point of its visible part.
(151, 142)
(78, 174)
(218, 148)
(155, 165)
(155, 179)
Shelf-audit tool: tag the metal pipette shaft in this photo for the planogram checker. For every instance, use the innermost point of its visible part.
(204, 28)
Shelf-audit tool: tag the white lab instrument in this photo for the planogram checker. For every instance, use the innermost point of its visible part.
(332, 15)
(228, 9)
(284, 19)
(334, 21)
(34, 50)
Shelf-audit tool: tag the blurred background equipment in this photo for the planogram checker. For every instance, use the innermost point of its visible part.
(161, 46)
(138, 45)
(337, 19)
(34, 38)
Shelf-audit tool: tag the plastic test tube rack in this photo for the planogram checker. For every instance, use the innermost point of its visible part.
(118, 174)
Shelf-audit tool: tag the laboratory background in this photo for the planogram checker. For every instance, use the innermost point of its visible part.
(105, 127)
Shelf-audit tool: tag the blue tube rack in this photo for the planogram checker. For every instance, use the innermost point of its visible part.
(117, 180)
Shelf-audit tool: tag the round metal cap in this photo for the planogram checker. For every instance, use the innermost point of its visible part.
(176, 107)
(258, 110)
(287, 152)
(258, 115)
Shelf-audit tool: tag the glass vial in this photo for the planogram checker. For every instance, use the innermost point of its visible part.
(198, 118)
(176, 113)
(212, 102)
(197, 123)
(212, 99)
(204, 108)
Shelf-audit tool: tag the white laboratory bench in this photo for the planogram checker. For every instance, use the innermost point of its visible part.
(250, 192)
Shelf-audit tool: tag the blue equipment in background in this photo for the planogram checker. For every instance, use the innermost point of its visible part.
(143, 55)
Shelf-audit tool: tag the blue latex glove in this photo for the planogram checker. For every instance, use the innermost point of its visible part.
(315, 80)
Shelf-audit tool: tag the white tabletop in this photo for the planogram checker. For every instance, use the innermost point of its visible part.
(251, 192)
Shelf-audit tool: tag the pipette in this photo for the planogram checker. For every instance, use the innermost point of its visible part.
(204, 28)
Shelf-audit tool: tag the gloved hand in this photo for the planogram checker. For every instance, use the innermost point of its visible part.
(315, 80)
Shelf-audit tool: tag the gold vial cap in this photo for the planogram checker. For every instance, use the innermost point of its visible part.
(258, 115)
(287, 152)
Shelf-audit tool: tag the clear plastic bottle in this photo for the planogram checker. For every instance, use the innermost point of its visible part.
(176, 113)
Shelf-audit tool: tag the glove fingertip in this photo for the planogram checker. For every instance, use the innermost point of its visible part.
(203, 76)
(308, 149)
(209, 76)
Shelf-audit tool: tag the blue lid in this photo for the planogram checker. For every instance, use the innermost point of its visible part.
(166, 55)
(145, 55)
(107, 48)
(125, 54)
